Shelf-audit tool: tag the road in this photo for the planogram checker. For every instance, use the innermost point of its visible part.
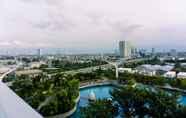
(9, 71)
(89, 69)
(109, 65)
(11, 105)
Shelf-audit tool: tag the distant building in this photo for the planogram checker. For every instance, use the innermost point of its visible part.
(4, 70)
(142, 52)
(126, 50)
(165, 68)
(28, 72)
(152, 70)
(39, 52)
(122, 70)
(170, 74)
(37, 64)
(173, 52)
(181, 75)
(153, 51)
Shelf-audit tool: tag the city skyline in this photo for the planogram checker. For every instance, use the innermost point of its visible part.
(92, 58)
(92, 25)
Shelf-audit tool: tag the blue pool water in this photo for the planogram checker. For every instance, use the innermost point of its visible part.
(102, 92)
(182, 100)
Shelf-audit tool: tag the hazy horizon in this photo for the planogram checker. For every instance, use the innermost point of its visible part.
(92, 25)
(66, 51)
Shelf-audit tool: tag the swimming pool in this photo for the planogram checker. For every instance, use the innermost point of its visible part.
(101, 92)
(182, 100)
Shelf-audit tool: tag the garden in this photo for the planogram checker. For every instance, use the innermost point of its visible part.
(49, 96)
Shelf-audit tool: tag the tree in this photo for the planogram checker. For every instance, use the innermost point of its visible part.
(99, 109)
(48, 96)
(141, 103)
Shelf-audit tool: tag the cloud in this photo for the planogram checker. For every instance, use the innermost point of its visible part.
(91, 23)
(52, 16)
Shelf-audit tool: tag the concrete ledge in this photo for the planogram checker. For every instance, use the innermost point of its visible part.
(114, 83)
(65, 115)
(12, 106)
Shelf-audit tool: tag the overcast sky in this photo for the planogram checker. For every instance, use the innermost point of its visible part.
(92, 24)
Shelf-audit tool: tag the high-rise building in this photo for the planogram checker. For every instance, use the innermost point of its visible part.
(153, 51)
(126, 50)
(173, 52)
(39, 52)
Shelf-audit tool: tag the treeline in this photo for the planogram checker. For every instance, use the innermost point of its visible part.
(152, 80)
(154, 61)
(67, 65)
(95, 75)
(175, 61)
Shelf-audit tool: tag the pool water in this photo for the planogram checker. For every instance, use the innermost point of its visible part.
(182, 100)
(102, 92)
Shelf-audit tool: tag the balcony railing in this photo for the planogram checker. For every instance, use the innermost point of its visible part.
(12, 106)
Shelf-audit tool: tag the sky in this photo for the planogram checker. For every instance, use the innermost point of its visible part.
(92, 25)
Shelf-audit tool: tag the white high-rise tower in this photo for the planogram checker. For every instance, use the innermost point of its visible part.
(125, 49)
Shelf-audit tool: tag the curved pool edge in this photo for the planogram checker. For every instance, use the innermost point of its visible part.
(92, 85)
(113, 83)
(68, 113)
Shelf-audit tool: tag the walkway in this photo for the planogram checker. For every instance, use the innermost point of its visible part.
(10, 71)
(172, 89)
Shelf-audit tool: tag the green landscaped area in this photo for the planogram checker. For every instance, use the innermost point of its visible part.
(55, 91)
(153, 80)
(67, 65)
(57, 94)
(48, 96)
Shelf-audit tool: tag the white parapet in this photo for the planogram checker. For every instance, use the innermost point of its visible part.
(12, 106)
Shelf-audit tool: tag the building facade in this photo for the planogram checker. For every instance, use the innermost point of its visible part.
(126, 50)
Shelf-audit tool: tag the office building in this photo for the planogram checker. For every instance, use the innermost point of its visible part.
(153, 51)
(39, 52)
(125, 49)
(173, 52)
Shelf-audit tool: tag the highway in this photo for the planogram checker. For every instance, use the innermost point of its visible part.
(109, 65)
(6, 73)
(89, 69)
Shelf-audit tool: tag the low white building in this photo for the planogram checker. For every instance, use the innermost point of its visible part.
(170, 74)
(181, 75)
(122, 70)
(37, 64)
(183, 65)
(151, 70)
(4, 69)
(147, 72)
(29, 72)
